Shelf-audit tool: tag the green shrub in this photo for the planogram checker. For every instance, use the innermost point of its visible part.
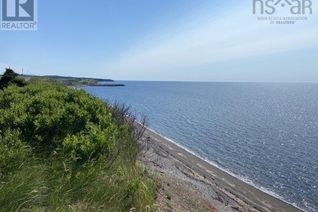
(54, 118)
(62, 149)
(12, 151)
(11, 78)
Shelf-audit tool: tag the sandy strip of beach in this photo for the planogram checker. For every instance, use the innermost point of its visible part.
(189, 183)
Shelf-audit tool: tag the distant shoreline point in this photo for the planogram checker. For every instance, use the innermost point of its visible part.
(107, 85)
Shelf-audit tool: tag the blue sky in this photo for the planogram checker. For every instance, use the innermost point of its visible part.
(201, 40)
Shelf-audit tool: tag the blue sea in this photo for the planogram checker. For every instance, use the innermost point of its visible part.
(263, 133)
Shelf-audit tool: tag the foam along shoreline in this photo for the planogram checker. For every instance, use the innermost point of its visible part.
(232, 186)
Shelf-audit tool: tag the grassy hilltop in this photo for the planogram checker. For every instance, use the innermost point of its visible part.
(64, 150)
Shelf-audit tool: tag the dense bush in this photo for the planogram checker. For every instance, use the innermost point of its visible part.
(62, 149)
(55, 118)
(11, 78)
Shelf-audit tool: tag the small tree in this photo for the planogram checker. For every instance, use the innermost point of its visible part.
(10, 77)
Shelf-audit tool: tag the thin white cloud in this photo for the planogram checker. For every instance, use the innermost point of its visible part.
(233, 35)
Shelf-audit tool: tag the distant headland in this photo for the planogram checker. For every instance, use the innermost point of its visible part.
(74, 81)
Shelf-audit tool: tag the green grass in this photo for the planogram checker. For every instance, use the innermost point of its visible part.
(64, 150)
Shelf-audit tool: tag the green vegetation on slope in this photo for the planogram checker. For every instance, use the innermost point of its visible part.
(67, 81)
(62, 149)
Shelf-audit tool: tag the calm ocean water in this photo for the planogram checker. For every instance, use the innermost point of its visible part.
(264, 133)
